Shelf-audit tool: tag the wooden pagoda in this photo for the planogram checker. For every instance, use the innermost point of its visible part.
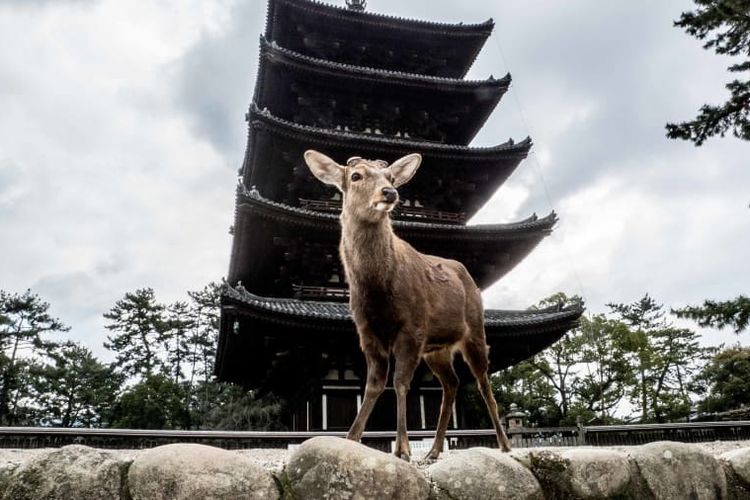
(350, 83)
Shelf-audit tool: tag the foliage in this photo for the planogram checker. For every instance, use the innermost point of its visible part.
(75, 389)
(733, 313)
(725, 381)
(138, 332)
(724, 26)
(156, 402)
(24, 325)
(235, 408)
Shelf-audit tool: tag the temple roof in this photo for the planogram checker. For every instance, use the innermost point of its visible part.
(452, 178)
(326, 94)
(277, 246)
(260, 332)
(367, 39)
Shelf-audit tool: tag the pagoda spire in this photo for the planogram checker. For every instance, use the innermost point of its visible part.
(358, 5)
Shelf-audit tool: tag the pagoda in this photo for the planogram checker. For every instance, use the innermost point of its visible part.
(349, 83)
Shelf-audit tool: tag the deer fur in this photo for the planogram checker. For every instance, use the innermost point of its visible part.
(405, 304)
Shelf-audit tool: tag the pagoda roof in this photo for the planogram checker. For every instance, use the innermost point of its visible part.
(269, 329)
(453, 178)
(369, 39)
(276, 246)
(328, 94)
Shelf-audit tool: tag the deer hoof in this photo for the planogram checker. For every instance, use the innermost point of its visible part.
(404, 456)
(432, 455)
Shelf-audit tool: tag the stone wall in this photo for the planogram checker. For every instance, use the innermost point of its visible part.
(334, 468)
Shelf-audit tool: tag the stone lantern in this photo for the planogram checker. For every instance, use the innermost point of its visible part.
(515, 417)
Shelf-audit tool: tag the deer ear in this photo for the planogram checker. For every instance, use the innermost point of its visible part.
(324, 168)
(404, 168)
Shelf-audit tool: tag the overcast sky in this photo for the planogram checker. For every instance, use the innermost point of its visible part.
(122, 129)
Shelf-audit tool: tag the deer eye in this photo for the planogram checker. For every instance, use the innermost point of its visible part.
(356, 176)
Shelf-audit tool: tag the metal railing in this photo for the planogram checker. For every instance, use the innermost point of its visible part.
(600, 435)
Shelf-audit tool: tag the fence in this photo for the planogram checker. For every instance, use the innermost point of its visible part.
(52, 437)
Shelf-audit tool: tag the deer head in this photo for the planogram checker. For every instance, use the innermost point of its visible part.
(368, 186)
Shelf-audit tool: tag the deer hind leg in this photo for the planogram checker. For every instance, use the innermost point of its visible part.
(441, 364)
(377, 374)
(406, 353)
(475, 355)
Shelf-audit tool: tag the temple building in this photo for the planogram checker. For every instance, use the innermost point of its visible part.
(352, 83)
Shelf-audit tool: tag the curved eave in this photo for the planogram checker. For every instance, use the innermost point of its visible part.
(375, 19)
(337, 314)
(464, 104)
(511, 335)
(322, 17)
(383, 143)
(488, 251)
(272, 52)
(302, 216)
(453, 178)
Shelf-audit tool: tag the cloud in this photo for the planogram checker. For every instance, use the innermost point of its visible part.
(121, 137)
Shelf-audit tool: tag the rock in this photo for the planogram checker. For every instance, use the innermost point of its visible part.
(739, 460)
(483, 473)
(190, 471)
(72, 472)
(595, 472)
(335, 468)
(677, 470)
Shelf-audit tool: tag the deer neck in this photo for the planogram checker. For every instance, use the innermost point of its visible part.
(368, 250)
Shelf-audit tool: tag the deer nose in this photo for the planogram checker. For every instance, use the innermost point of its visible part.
(391, 195)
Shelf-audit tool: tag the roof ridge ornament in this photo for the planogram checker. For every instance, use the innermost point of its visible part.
(357, 5)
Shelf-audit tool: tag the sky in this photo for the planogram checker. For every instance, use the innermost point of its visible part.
(122, 129)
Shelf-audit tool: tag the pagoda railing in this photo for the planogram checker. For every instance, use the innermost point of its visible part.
(320, 292)
(404, 212)
(602, 435)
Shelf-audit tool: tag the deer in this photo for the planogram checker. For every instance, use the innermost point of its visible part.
(405, 304)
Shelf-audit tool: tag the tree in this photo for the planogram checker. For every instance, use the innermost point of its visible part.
(75, 390)
(24, 324)
(560, 363)
(175, 335)
(662, 358)
(724, 26)
(608, 373)
(727, 379)
(237, 409)
(138, 325)
(155, 402)
(733, 313)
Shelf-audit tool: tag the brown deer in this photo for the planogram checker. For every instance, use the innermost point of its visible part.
(404, 303)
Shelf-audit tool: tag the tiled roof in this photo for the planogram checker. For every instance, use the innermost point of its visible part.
(323, 135)
(533, 224)
(270, 50)
(340, 312)
(375, 19)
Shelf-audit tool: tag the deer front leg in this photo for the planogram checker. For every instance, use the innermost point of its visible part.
(377, 374)
(441, 364)
(407, 360)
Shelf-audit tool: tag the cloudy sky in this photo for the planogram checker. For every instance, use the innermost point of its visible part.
(122, 129)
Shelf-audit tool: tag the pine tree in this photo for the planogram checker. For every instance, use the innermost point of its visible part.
(24, 325)
(724, 26)
(733, 313)
(138, 325)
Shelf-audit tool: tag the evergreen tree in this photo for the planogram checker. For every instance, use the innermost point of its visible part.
(176, 338)
(733, 313)
(155, 402)
(607, 373)
(138, 326)
(724, 26)
(24, 324)
(725, 381)
(75, 389)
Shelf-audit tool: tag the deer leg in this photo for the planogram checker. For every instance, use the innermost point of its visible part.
(407, 360)
(475, 355)
(441, 364)
(377, 374)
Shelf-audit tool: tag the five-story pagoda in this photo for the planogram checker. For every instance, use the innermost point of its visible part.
(350, 83)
